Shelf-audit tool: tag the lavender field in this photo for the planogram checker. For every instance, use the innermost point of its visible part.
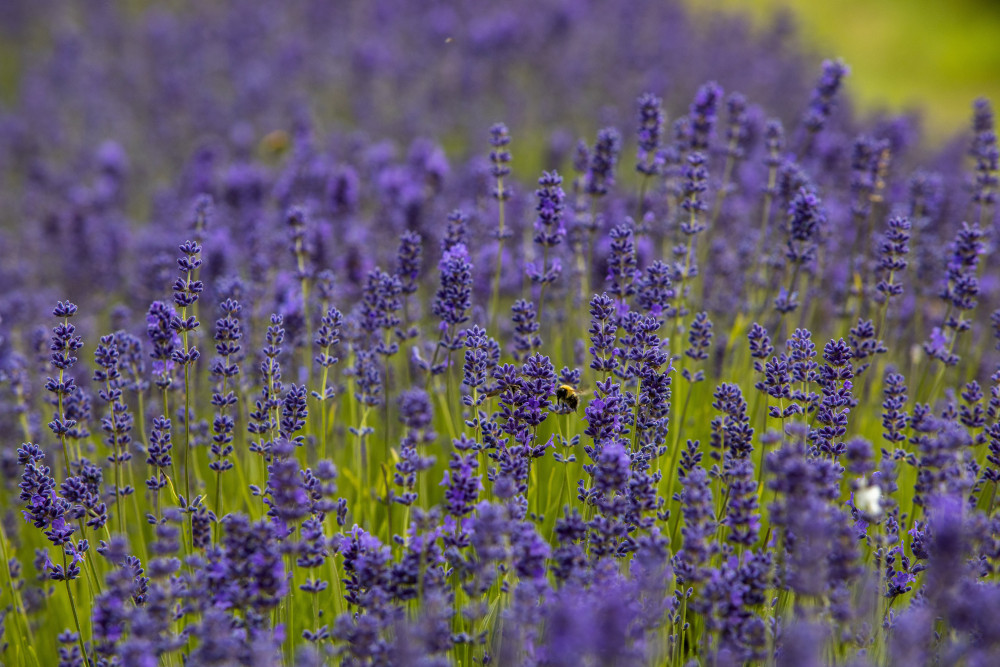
(557, 333)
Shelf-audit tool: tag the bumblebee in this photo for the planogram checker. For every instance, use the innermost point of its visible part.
(568, 396)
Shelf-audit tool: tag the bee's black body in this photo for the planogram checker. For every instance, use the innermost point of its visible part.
(568, 396)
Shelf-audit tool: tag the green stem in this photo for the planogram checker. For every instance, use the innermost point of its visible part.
(22, 416)
(119, 511)
(364, 485)
(641, 204)
(495, 300)
(434, 358)
(290, 612)
(541, 288)
(15, 595)
(765, 218)
(187, 426)
(720, 197)
(76, 618)
(62, 414)
(323, 409)
(675, 460)
(300, 256)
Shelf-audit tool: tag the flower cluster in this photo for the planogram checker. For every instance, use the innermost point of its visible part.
(740, 405)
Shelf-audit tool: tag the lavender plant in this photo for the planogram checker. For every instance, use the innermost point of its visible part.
(758, 423)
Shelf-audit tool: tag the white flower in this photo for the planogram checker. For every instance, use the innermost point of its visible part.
(868, 499)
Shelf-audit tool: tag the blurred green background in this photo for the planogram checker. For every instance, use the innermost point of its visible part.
(935, 55)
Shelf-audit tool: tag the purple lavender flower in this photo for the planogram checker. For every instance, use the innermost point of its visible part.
(528, 552)
(602, 331)
(703, 114)
(409, 259)
(987, 156)
(500, 158)
(864, 345)
(892, 256)
(777, 384)
(581, 159)
(898, 576)
(611, 469)
(285, 494)
(742, 512)
(603, 159)
(252, 575)
(925, 194)
(822, 102)
(476, 358)
(654, 290)
(695, 185)
(85, 493)
(225, 370)
(699, 337)
(804, 225)
(894, 418)
(164, 341)
(462, 487)
(455, 231)
(864, 174)
(367, 379)
(381, 303)
(655, 375)
(835, 379)
(549, 229)
(971, 413)
(118, 424)
(692, 559)
(538, 384)
(737, 126)
(158, 456)
(416, 414)
(454, 296)
(622, 263)
(296, 220)
(651, 122)
(64, 344)
(294, 412)
(187, 290)
(760, 345)
(327, 339)
(939, 461)
(805, 220)
(45, 509)
(475, 371)
(264, 417)
(960, 293)
(774, 142)
(526, 326)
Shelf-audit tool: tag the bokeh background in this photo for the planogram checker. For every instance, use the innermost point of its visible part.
(905, 55)
(193, 88)
(929, 56)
